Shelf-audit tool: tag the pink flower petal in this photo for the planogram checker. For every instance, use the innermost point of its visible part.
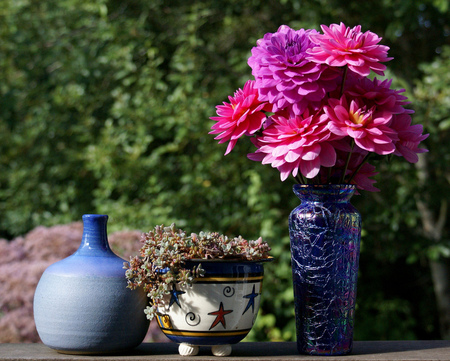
(311, 168)
(239, 117)
(340, 45)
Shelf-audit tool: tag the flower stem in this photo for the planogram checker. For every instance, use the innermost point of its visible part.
(329, 175)
(364, 161)
(301, 179)
(347, 163)
(344, 76)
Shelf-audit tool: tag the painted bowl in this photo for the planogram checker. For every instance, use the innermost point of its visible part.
(218, 309)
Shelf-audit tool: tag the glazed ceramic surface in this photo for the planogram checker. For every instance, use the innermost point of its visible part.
(81, 303)
(325, 232)
(220, 308)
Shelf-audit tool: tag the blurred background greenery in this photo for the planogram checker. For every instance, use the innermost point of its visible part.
(105, 106)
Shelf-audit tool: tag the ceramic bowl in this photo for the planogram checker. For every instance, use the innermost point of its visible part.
(218, 310)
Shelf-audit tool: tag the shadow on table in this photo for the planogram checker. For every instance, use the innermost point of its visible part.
(242, 349)
(245, 349)
(383, 347)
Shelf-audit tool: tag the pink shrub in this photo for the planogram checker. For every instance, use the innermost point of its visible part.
(24, 259)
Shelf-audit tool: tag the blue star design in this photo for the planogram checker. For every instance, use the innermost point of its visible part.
(174, 297)
(251, 300)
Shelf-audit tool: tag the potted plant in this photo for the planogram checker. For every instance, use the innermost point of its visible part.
(204, 289)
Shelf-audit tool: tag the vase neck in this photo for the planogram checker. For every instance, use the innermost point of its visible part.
(94, 234)
(338, 193)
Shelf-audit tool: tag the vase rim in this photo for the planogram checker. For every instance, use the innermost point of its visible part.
(230, 260)
(92, 215)
(324, 186)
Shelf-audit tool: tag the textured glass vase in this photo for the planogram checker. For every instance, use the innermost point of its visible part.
(325, 234)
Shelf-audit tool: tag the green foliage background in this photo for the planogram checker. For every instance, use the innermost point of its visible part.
(105, 106)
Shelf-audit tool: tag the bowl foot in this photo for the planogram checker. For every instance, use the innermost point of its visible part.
(221, 350)
(188, 350)
(185, 349)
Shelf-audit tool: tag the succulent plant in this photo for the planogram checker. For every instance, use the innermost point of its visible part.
(161, 262)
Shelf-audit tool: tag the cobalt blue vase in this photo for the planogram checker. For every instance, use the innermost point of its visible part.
(325, 234)
(82, 304)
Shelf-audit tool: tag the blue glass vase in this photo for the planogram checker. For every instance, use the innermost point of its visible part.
(325, 234)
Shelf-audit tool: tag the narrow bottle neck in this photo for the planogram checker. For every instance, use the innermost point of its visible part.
(94, 234)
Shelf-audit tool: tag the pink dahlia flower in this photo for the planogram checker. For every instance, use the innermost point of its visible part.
(297, 143)
(341, 45)
(242, 115)
(409, 138)
(362, 178)
(284, 77)
(367, 126)
(378, 93)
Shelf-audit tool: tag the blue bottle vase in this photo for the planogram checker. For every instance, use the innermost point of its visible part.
(325, 234)
(82, 304)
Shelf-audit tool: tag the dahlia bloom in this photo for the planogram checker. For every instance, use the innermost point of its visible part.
(242, 115)
(409, 138)
(340, 46)
(359, 171)
(297, 143)
(362, 178)
(284, 76)
(325, 117)
(378, 93)
(367, 126)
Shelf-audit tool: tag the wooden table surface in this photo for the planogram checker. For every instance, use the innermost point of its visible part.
(363, 350)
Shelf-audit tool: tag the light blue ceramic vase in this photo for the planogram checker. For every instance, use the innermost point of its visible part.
(81, 303)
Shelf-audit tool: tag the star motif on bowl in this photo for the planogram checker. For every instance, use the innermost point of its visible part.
(174, 297)
(251, 300)
(220, 316)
